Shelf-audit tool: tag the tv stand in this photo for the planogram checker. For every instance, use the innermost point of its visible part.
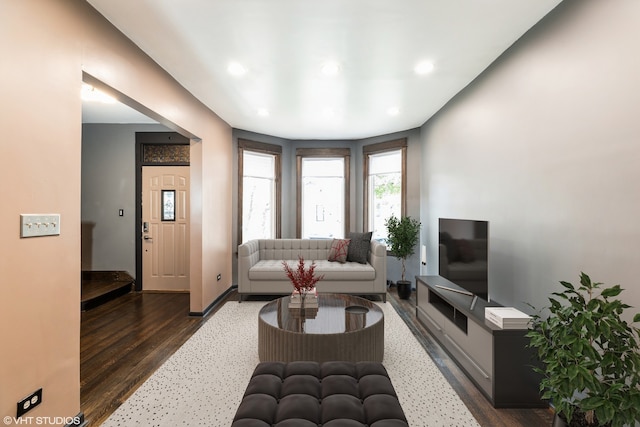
(497, 360)
(460, 291)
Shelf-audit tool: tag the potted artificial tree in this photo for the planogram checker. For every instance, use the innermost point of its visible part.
(590, 356)
(402, 237)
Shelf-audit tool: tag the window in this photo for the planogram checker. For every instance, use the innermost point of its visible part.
(385, 185)
(323, 193)
(259, 190)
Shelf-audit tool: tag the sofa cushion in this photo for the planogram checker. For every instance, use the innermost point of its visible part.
(359, 247)
(279, 249)
(346, 271)
(339, 249)
(273, 270)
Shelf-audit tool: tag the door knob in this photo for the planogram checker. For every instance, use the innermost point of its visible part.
(148, 238)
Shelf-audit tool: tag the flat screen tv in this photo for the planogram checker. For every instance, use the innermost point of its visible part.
(463, 254)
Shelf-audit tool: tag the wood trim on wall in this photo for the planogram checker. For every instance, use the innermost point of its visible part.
(262, 147)
(382, 147)
(259, 146)
(298, 196)
(142, 139)
(323, 152)
(344, 153)
(385, 146)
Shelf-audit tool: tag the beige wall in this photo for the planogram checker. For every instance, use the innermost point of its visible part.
(46, 46)
(546, 146)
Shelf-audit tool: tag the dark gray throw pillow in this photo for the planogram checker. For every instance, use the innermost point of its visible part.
(359, 247)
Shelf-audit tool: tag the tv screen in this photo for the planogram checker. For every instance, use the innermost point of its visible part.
(463, 254)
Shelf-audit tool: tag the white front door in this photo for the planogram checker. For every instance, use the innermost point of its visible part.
(165, 228)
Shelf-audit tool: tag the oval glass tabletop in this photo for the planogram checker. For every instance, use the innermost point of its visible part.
(334, 314)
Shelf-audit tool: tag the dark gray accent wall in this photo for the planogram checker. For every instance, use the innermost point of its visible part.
(108, 185)
(545, 146)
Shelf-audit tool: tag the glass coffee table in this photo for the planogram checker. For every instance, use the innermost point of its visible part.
(342, 327)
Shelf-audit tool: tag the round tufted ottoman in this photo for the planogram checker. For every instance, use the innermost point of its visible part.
(311, 394)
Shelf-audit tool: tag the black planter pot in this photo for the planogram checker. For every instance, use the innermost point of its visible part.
(558, 421)
(404, 289)
(577, 421)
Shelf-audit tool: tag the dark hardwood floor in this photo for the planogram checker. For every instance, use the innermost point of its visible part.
(125, 340)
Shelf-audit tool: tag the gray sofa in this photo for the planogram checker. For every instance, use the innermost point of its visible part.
(468, 271)
(260, 270)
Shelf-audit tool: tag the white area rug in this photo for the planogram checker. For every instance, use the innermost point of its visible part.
(203, 382)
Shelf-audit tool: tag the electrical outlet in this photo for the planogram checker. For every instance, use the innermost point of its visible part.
(29, 402)
(219, 277)
(36, 225)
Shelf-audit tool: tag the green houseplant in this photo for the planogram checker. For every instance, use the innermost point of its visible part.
(402, 237)
(590, 356)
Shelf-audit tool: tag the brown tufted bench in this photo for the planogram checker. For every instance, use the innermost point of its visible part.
(311, 394)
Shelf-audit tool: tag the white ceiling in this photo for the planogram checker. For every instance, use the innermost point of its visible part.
(100, 112)
(283, 45)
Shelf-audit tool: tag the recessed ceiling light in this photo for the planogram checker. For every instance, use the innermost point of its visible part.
(263, 112)
(236, 69)
(393, 111)
(424, 67)
(330, 68)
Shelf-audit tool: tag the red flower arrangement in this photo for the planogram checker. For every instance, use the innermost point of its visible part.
(302, 279)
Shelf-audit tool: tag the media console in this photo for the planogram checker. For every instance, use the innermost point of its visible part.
(497, 360)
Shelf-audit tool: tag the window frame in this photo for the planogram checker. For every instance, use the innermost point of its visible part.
(262, 148)
(345, 154)
(379, 148)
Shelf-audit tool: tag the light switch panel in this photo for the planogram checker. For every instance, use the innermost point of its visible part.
(36, 225)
